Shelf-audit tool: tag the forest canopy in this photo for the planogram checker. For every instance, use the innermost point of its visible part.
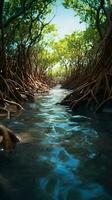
(31, 55)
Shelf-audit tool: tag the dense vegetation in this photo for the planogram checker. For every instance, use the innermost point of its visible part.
(91, 78)
(30, 57)
(23, 27)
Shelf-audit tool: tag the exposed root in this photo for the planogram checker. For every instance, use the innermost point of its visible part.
(94, 89)
(15, 91)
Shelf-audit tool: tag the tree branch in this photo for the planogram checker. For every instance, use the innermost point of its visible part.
(22, 11)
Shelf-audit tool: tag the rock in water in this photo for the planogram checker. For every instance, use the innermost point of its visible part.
(9, 139)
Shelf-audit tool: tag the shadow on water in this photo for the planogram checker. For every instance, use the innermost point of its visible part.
(62, 155)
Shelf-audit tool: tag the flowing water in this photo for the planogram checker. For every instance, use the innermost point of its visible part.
(62, 155)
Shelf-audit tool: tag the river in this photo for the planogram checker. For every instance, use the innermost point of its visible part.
(62, 155)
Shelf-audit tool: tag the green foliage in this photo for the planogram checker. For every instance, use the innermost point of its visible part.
(94, 13)
(73, 51)
(24, 21)
(23, 26)
(86, 9)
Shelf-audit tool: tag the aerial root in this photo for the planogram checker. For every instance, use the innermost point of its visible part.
(97, 92)
(15, 90)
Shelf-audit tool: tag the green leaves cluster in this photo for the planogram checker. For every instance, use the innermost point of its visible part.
(24, 21)
(94, 13)
(23, 25)
(74, 51)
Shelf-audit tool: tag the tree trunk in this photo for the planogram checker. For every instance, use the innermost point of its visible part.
(3, 66)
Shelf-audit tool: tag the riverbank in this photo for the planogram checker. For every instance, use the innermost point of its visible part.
(15, 93)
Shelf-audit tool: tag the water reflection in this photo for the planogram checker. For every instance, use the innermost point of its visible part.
(62, 156)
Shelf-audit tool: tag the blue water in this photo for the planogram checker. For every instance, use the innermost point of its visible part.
(62, 155)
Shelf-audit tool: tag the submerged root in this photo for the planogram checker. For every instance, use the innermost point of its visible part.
(9, 139)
